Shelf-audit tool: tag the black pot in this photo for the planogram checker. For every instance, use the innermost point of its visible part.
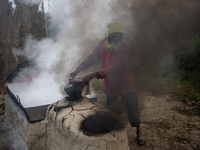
(74, 89)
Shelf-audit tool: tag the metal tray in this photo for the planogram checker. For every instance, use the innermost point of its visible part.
(33, 114)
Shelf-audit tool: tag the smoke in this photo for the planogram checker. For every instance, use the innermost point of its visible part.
(153, 28)
(79, 25)
(41, 89)
(163, 28)
(82, 25)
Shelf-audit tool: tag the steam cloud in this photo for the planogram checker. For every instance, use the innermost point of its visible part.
(153, 28)
(80, 25)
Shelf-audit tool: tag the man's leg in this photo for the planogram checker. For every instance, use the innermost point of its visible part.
(131, 103)
(111, 102)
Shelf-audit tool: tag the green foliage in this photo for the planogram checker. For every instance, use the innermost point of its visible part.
(193, 96)
(97, 84)
(193, 62)
(191, 78)
(40, 38)
(186, 86)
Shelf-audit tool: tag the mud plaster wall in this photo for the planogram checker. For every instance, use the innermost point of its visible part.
(30, 136)
(61, 130)
(67, 122)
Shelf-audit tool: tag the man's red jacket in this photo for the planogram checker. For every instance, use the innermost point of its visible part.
(116, 68)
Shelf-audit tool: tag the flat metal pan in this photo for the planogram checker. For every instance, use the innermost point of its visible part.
(33, 114)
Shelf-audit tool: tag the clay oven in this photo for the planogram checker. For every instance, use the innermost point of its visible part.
(68, 125)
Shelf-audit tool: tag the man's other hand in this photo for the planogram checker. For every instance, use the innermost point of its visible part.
(88, 78)
(74, 74)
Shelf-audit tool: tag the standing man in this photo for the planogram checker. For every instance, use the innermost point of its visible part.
(113, 53)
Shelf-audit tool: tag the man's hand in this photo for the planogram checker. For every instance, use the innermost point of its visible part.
(74, 74)
(88, 78)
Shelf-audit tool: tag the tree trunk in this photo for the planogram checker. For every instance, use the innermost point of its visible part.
(45, 21)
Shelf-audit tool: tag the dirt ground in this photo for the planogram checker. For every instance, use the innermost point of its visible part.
(161, 125)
